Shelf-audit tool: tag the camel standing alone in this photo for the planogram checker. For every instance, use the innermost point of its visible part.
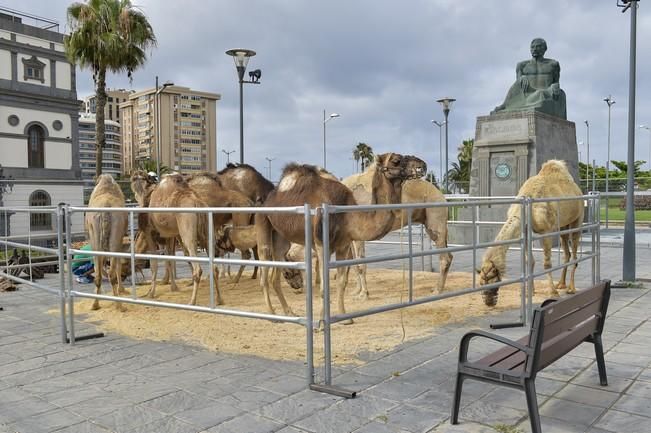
(553, 180)
(105, 232)
(434, 219)
(302, 184)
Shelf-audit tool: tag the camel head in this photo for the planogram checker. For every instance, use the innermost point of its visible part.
(294, 278)
(223, 240)
(141, 183)
(403, 167)
(490, 273)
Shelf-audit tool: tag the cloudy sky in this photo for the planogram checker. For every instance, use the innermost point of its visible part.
(382, 65)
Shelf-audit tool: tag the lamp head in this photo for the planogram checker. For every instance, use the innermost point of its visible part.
(446, 103)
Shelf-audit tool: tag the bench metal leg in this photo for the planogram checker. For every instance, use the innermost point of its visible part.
(456, 402)
(532, 405)
(601, 363)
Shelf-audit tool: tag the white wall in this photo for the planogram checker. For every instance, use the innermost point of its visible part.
(5, 35)
(57, 155)
(5, 64)
(59, 193)
(27, 115)
(23, 39)
(63, 75)
(13, 151)
(46, 70)
(59, 47)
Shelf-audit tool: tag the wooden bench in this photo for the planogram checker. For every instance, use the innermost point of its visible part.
(558, 326)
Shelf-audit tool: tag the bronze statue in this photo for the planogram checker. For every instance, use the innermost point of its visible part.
(536, 86)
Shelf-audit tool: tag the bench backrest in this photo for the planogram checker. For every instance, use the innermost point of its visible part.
(560, 326)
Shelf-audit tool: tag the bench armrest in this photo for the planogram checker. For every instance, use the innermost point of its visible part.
(465, 342)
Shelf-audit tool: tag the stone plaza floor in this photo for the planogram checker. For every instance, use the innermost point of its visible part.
(122, 385)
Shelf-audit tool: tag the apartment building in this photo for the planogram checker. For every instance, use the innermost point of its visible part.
(39, 150)
(187, 129)
(111, 154)
(113, 99)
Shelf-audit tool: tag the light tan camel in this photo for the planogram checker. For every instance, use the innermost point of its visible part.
(553, 180)
(435, 220)
(301, 184)
(105, 231)
(192, 228)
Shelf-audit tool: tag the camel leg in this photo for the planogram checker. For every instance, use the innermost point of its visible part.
(342, 280)
(565, 242)
(547, 263)
(263, 231)
(98, 262)
(115, 277)
(576, 238)
(359, 251)
(255, 268)
(440, 239)
(196, 278)
(121, 289)
(151, 293)
(280, 248)
(246, 255)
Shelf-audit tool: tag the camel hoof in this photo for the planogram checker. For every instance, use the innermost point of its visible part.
(95, 306)
(363, 296)
(347, 322)
(571, 290)
(554, 292)
(123, 292)
(121, 307)
(561, 286)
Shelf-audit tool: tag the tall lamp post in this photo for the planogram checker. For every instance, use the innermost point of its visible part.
(587, 166)
(440, 125)
(228, 155)
(446, 103)
(628, 259)
(610, 101)
(269, 166)
(165, 85)
(326, 120)
(241, 58)
(648, 129)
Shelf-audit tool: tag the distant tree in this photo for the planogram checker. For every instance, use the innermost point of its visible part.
(459, 174)
(431, 178)
(363, 152)
(149, 165)
(106, 35)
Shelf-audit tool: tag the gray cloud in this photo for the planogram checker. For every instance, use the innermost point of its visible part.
(382, 65)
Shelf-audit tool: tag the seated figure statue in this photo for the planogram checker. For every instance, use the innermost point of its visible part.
(536, 86)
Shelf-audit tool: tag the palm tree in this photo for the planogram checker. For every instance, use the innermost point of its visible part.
(363, 152)
(107, 35)
(459, 174)
(149, 165)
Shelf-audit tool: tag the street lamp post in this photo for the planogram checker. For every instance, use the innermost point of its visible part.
(587, 165)
(440, 125)
(648, 129)
(610, 101)
(269, 166)
(228, 155)
(241, 58)
(158, 116)
(326, 120)
(446, 103)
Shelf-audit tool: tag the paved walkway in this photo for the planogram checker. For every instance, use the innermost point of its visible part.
(117, 384)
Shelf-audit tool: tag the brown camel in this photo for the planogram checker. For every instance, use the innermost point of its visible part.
(435, 220)
(553, 180)
(192, 228)
(105, 231)
(247, 180)
(301, 184)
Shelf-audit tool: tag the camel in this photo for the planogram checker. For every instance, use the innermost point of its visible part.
(301, 184)
(247, 180)
(435, 220)
(192, 228)
(553, 180)
(105, 232)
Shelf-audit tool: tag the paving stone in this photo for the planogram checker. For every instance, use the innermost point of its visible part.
(291, 429)
(628, 358)
(174, 402)
(489, 413)
(46, 422)
(209, 415)
(551, 425)
(84, 427)
(297, 406)
(380, 427)
(571, 412)
(251, 398)
(24, 408)
(413, 419)
(247, 423)
(634, 404)
(621, 422)
(589, 396)
(285, 385)
(464, 427)
(129, 417)
(591, 380)
(165, 425)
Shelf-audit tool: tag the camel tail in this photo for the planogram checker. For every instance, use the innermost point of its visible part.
(202, 230)
(105, 236)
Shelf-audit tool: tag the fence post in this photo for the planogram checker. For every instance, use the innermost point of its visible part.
(325, 285)
(211, 255)
(598, 207)
(523, 264)
(410, 248)
(132, 250)
(62, 279)
(71, 309)
(530, 286)
(309, 314)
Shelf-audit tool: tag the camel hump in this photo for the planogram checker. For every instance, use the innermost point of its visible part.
(553, 166)
(205, 177)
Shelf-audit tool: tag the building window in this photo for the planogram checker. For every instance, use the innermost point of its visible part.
(34, 69)
(40, 221)
(35, 148)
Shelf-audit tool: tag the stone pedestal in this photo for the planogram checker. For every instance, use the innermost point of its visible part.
(509, 148)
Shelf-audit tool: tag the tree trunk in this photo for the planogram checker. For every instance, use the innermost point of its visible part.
(100, 136)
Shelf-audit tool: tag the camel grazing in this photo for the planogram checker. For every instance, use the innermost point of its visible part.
(301, 184)
(553, 180)
(434, 219)
(105, 231)
(192, 228)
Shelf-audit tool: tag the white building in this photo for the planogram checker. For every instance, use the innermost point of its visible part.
(39, 147)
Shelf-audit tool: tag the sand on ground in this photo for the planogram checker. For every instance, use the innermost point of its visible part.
(283, 341)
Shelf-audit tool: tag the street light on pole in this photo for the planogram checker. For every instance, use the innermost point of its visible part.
(446, 103)
(648, 129)
(587, 166)
(610, 101)
(326, 120)
(241, 58)
(158, 116)
(228, 155)
(440, 125)
(269, 166)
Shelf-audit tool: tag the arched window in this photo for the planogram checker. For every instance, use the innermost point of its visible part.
(35, 150)
(40, 221)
